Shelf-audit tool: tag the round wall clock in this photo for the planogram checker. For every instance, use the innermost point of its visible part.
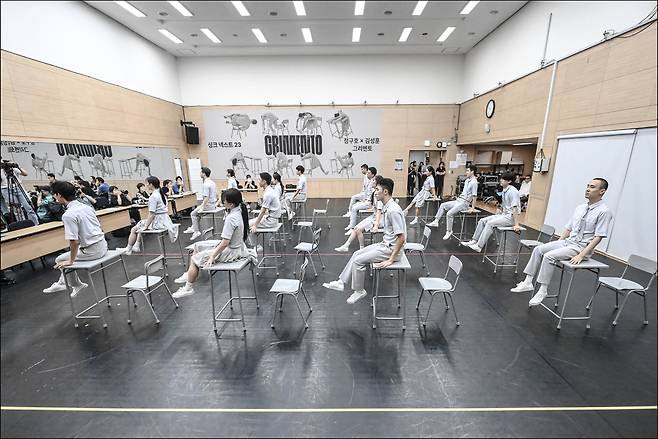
(491, 107)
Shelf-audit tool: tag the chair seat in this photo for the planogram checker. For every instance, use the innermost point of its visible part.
(402, 264)
(413, 246)
(269, 230)
(434, 284)
(510, 228)
(88, 265)
(285, 286)
(620, 284)
(210, 212)
(229, 266)
(305, 247)
(530, 243)
(139, 283)
(305, 224)
(153, 231)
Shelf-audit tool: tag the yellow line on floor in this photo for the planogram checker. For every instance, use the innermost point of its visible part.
(330, 410)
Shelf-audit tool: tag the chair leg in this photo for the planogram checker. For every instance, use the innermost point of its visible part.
(305, 298)
(276, 299)
(427, 316)
(454, 310)
(294, 267)
(422, 258)
(315, 272)
(644, 299)
(148, 302)
(591, 299)
(419, 298)
(317, 250)
(621, 308)
(446, 301)
(300, 311)
(128, 294)
(171, 295)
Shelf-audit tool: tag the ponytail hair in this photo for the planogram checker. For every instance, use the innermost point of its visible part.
(234, 197)
(432, 171)
(155, 182)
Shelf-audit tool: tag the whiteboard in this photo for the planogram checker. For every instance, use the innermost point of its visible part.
(579, 160)
(196, 183)
(635, 226)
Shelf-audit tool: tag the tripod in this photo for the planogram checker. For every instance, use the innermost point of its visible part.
(16, 204)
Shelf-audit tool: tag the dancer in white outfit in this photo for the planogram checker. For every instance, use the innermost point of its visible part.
(428, 191)
(367, 203)
(209, 202)
(369, 224)
(589, 224)
(361, 196)
(508, 216)
(385, 253)
(270, 210)
(468, 196)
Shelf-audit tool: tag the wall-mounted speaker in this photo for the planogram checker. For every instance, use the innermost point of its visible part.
(192, 135)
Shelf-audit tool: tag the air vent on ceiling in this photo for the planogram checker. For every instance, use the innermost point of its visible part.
(186, 52)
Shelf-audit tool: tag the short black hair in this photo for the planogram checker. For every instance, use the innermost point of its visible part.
(364, 166)
(112, 188)
(178, 177)
(65, 189)
(165, 182)
(604, 182)
(387, 184)
(473, 168)
(50, 174)
(373, 170)
(206, 171)
(230, 172)
(97, 179)
(75, 177)
(276, 176)
(508, 176)
(140, 185)
(267, 177)
(300, 168)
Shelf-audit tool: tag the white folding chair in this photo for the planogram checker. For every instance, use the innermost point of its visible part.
(625, 287)
(306, 225)
(435, 285)
(545, 235)
(308, 248)
(420, 247)
(290, 287)
(324, 212)
(147, 284)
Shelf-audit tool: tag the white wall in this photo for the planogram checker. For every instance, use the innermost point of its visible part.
(75, 36)
(319, 80)
(516, 48)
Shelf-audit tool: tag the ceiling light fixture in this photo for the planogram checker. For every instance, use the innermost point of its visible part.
(446, 33)
(307, 34)
(522, 143)
(356, 34)
(242, 10)
(468, 8)
(130, 8)
(171, 36)
(359, 8)
(420, 6)
(259, 35)
(182, 9)
(405, 34)
(299, 8)
(211, 36)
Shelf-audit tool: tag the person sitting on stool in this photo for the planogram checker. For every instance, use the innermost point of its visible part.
(361, 196)
(386, 252)
(509, 215)
(468, 195)
(83, 231)
(209, 193)
(371, 223)
(589, 224)
(230, 248)
(270, 210)
(362, 205)
(428, 191)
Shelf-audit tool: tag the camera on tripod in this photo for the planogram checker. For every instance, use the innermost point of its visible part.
(7, 165)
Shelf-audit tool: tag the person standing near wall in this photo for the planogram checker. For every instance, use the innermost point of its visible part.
(411, 178)
(440, 177)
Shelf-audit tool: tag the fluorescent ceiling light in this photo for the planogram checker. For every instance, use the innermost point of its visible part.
(356, 34)
(299, 8)
(241, 9)
(359, 7)
(130, 8)
(446, 33)
(405, 34)
(307, 35)
(259, 35)
(522, 143)
(468, 8)
(182, 9)
(171, 36)
(420, 6)
(211, 36)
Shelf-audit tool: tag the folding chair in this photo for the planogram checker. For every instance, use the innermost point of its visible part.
(290, 287)
(435, 285)
(147, 284)
(308, 248)
(420, 247)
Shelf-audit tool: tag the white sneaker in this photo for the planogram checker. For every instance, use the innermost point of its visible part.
(136, 248)
(468, 243)
(55, 287)
(447, 236)
(183, 292)
(475, 247)
(522, 287)
(414, 221)
(189, 230)
(342, 249)
(348, 228)
(195, 235)
(346, 215)
(259, 248)
(356, 296)
(77, 289)
(181, 279)
(128, 250)
(337, 285)
(538, 298)
(434, 223)
(348, 233)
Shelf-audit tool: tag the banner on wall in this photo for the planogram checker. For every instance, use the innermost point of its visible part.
(328, 143)
(66, 160)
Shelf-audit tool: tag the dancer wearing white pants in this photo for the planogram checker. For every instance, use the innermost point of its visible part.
(361, 196)
(461, 204)
(588, 225)
(209, 192)
(367, 203)
(385, 252)
(508, 216)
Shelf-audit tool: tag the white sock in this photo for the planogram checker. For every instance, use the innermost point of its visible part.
(542, 288)
(528, 279)
(188, 285)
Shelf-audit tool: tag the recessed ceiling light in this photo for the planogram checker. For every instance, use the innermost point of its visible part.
(388, 12)
(130, 8)
(446, 33)
(307, 34)
(420, 6)
(194, 35)
(359, 7)
(242, 10)
(424, 34)
(356, 34)
(211, 36)
(405, 34)
(380, 34)
(182, 9)
(259, 35)
(493, 12)
(522, 143)
(471, 33)
(284, 35)
(171, 36)
(162, 14)
(299, 8)
(235, 35)
(274, 13)
(468, 8)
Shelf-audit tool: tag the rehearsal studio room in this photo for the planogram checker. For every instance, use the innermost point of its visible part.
(328, 219)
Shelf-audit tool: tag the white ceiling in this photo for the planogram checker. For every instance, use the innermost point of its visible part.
(331, 24)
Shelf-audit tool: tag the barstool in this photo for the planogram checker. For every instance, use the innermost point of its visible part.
(401, 267)
(212, 230)
(160, 235)
(464, 214)
(274, 231)
(300, 200)
(427, 209)
(501, 250)
(124, 168)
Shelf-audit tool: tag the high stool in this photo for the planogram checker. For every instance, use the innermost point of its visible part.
(211, 231)
(501, 250)
(464, 214)
(232, 268)
(530, 244)
(91, 267)
(427, 218)
(401, 267)
(160, 235)
(324, 213)
(274, 231)
(124, 168)
(299, 201)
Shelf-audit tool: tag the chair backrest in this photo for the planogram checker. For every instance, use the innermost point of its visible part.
(302, 273)
(427, 232)
(454, 265)
(643, 264)
(546, 231)
(326, 206)
(316, 237)
(154, 266)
